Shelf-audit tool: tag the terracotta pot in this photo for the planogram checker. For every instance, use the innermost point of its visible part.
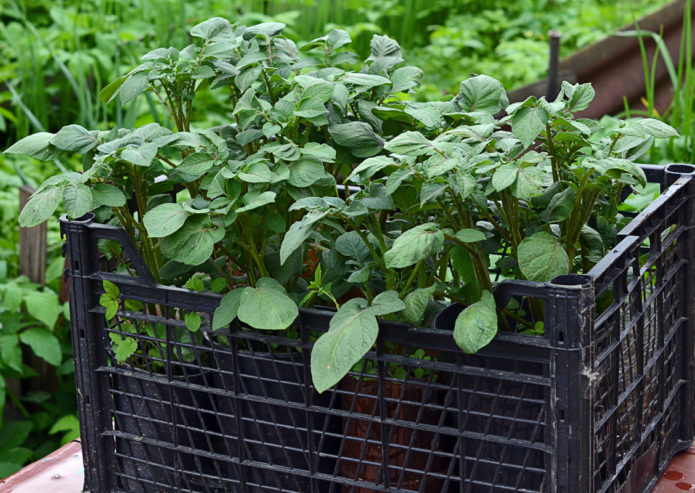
(368, 456)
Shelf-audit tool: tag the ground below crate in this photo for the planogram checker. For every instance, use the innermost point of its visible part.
(62, 472)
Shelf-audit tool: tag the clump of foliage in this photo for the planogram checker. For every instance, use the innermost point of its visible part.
(444, 194)
(33, 321)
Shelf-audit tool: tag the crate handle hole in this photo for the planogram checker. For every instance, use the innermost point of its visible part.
(561, 336)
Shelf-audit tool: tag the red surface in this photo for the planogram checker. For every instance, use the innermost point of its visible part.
(679, 475)
(62, 472)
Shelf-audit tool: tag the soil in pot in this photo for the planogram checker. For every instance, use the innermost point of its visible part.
(170, 428)
(410, 465)
(265, 421)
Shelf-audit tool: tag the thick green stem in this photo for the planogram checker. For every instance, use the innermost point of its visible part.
(553, 156)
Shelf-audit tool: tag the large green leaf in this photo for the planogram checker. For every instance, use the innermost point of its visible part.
(528, 122)
(193, 243)
(385, 54)
(77, 199)
(164, 220)
(109, 195)
(387, 302)
(305, 172)
(40, 207)
(210, 28)
(227, 310)
(414, 245)
(298, 232)
(359, 137)
(133, 86)
(75, 138)
(529, 182)
(195, 165)
(406, 78)
(11, 352)
(43, 343)
(504, 176)
(482, 93)
(352, 332)
(579, 96)
(410, 144)
(267, 306)
(476, 325)
(369, 167)
(141, 155)
(541, 257)
(416, 304)
(43, 306)
(254, 200)
(560, 206)
(37, 145)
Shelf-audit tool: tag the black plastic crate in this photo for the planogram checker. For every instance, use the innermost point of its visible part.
(600, 403)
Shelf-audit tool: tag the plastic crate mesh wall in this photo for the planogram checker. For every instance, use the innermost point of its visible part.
(595, 405)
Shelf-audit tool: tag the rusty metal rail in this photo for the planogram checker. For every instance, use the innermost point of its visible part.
(614, 65)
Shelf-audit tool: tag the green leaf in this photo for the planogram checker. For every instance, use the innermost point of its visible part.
(37, 145)
(44, 306)
(370, 166)
(438, 165)
(267, 306)
(541, 257)
(123, 347)
(227, 310)
(476, 326)
(469, 235)
(141, 155)
(416, 304)
(133, 86)
(305, 172)
(109, 92)
(111, 289)
(615, 167)
(210, 28)
(77, 199)
(298, 232)
(247, 77)
(405, 79)
(40, 207)
(43, 343)
(75, 138)
(352, 332)
(504, 176)
(256, 173)
(192, 244)
(193, 321)
(529, 182)
(350, 245)
(359, 137)
(385, 54)
(164, 220)
(414, 245)
(265, 28)
(254, 200)
(656, 128)
(108, 195)
(11, 353)
(320, 152)
(387, 302)
(410, 144)
(195, 165)
(579, 96)
(366, 81)
(482, 93)
(528, 122)
(560, 206)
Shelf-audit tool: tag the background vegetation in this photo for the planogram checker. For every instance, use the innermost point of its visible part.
(56, 56)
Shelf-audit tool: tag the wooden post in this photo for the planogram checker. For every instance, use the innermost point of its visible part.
(32, 245)
(32, 263)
